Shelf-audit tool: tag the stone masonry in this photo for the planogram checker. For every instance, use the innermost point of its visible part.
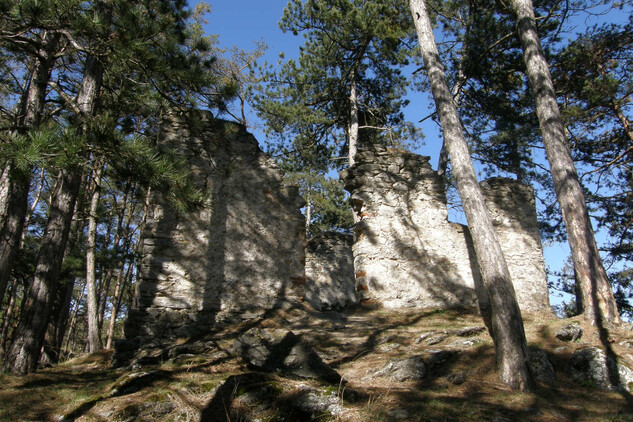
(512, 208)
(330, 271)
(241, 254)
(407, 253)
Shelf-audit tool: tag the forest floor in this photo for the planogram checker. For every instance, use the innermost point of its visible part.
(356, 343)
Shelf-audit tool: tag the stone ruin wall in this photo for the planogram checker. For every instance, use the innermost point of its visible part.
(512, 208)
(330, 271)
(407, 253)
(243, 253)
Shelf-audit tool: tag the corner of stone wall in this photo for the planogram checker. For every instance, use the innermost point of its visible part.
(406, 253)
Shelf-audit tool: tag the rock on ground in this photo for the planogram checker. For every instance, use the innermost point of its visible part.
(276, 350)
(592, 367)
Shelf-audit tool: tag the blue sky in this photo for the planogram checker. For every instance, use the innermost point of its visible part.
(242, 23)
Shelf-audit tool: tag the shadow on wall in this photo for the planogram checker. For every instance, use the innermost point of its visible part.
(406, 252)
(330, 271)
(241, 254)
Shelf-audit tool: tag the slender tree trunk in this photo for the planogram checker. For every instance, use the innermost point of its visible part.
(52, 350)
(353, 121)
(24, 353)
(308, 211)
(597, 295)
(120, 286)
(122, 231)
(4, 189)
(8, 314)
(505, 317)
(94, 342)
(18, 184)
(17, 180)
(73, 319)
(116, 303)
(442, 163)
(36, 200)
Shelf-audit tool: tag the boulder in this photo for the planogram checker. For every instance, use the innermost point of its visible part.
(261, 396)
(593, 368)
(307, 403)
(404, 369)
(570, 332)
(542, 367)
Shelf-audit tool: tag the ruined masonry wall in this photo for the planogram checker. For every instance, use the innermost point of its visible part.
(512, 208)
(407, 253)
(330, 271)
(241, 254)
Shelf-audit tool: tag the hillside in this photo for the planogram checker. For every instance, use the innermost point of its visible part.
(202, 379)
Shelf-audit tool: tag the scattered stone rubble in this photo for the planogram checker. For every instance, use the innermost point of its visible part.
(592, 367)
(570, 332)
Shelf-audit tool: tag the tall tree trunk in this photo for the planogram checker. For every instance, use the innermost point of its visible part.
(66, 348)
(16, 181)
(308, 198)
(442, 162)
(24, 353)
(122, 233)
(116, 303)
(36, 200)
(52, 350)
(94, 342)
(8, 315)
(505, 317)
(597, 296)
(120, 285)
(352, 131)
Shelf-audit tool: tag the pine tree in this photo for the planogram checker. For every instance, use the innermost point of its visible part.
(598, 299)
(504, 317)
(594, 86)
(41, 47)
(144, 47)
(346, 87)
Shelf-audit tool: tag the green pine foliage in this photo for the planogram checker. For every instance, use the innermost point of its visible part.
(593, 77)
(305, 104)
(152, 65)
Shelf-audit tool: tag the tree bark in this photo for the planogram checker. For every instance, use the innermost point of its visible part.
(94, 343)
(16, 182)
(122, 232)
(353, 118)
(24, 353)
(53, 341)
(66, 348)
(597, 296)
(116, 303)
(506, 323)
(8, 314)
